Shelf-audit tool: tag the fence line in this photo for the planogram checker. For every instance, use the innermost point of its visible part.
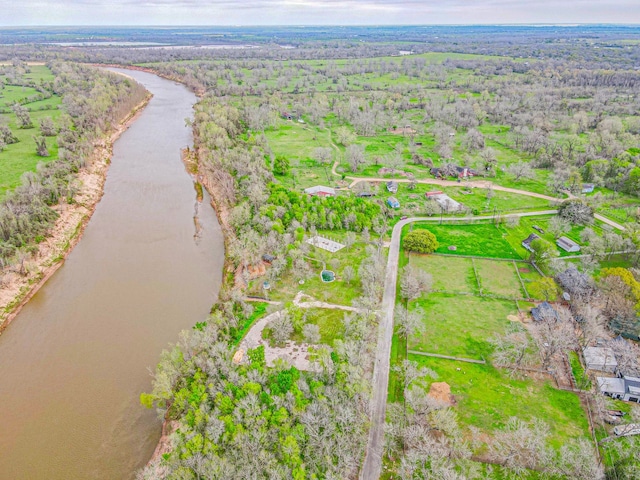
(480, 258)
(437, 355)
(524, 289)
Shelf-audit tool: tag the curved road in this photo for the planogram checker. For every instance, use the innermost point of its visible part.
(373, 459)
(474, 184)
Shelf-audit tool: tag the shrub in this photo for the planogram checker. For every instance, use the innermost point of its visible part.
(421, 241)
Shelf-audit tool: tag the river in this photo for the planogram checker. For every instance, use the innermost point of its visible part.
(75, 360)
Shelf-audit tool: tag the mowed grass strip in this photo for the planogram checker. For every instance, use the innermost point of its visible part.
(461, 325)
(449, 274)
(486, 398)
(482, 240)
(499, 278)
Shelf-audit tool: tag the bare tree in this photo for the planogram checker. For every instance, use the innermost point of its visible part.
(355, 157)
(512, 349)
(41, 147)
(22, 116)
(48, 128)
(409, 322)
(281, 329)
(311, 333)
(554, 337)
(414, 282)
(558, 226)
(521, 445)
(520, 170)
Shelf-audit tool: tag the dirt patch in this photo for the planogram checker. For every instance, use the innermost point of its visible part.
(441, 391)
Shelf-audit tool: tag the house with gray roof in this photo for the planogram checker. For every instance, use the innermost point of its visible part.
(543, 312)
(526, 243)
(625, 388)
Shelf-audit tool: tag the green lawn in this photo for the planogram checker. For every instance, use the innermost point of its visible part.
(330, 322)
(499, 278)
(483, 240)
(450, 274)
(461, 325)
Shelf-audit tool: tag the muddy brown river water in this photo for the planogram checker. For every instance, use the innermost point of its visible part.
(75, 360)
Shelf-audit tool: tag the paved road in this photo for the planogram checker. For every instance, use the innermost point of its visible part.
(373, 459)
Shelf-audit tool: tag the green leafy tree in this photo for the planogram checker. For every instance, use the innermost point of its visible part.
(545, 287)
(420, 241)
(543, 252)
(281, 165)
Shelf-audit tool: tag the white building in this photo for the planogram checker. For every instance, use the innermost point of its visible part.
(320, 191)
(447, 203)
(567, 244)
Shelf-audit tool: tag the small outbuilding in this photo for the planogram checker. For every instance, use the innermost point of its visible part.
(393, 202)
(625, 388)
(447, 203)
(588, 187)
(543, 312)
(567, 244)
(526, 243)
(601, 359)
(392, 187)
(320, 191)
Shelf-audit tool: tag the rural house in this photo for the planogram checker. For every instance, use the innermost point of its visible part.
(588, 187)
(526, 243)
(625, 388)
(320, 191)
(393, 202)
(464, 172)
(544, 311)
(601, 359)
(567, 244)
(392, 187)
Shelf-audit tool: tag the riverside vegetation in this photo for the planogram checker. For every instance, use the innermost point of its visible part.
(534, 121)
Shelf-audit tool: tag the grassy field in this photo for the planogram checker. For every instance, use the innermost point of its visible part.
(461, 325)
(486, 398)
(483, 240)
(450, 274)
(18, 158)
(499, 278)
(330, 322)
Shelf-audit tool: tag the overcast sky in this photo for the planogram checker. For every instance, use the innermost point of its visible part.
(313, 12)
